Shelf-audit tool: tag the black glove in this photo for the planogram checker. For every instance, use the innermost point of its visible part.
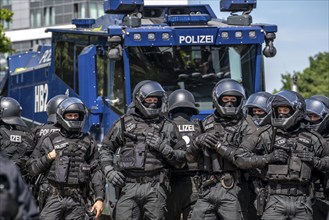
(206, 140)
(278, 155)
(116, 178)
(154, 140)
(306, 156)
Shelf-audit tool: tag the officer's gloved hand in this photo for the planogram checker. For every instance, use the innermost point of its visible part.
(306, 156)
(154, 140)
(206, 140)
(278, 155)
(116, 178)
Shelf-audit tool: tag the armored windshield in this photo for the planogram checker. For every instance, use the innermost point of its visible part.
(195, 68)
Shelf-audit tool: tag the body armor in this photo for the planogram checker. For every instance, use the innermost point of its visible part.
(71, 165)
(294, 169)
(17, 145)
(228, 133)
(135, 155)
(189, 130)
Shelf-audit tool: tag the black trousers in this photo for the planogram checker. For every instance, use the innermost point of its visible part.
(63, 208)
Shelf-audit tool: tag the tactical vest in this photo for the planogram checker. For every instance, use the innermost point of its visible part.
(227, 133)
(71, 166)
(17, 145)
(135, 155)
(189, 130)
(294, 169)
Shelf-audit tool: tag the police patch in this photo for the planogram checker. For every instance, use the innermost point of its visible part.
(186, 128)
(16, 138)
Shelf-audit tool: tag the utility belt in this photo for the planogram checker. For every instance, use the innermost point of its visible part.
(143, 179)
(227, 179)
(288, 189)
(65, 191)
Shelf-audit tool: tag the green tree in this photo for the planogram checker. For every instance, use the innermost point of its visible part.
(5, 44)
(314, 79)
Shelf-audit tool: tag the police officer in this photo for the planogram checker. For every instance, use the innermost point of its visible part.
(287, 154)
(39, 183)
(318, 120)
(224, 192)
(51, 125)
(69, 159)
(16, 200)
(184, 181)
(258, 110)
(143, 142)
(16, 142)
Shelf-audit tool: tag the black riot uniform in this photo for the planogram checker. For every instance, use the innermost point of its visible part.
(288, 155)
(74, 168)
(16, 200)
(16, 142)
(39, 183)
(185, 181)
(143, 143)
(257, 101)
(224, 191)
(320, 179)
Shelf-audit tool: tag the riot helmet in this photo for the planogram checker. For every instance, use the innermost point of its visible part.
(322, 98)
(228, 88)
(71, 106)
(10, 111)
(181, 98)
(288, 109)
(52, 106)
(146, 90)
(259, 100)
(318, 109)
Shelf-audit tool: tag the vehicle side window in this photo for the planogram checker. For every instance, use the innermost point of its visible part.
(116, 88)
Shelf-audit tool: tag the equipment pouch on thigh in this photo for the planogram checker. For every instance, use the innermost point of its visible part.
(227, 181)
(62, 164)
(42, 196)
(260, 201)
(164, 179)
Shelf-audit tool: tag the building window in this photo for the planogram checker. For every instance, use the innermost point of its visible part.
(35, 18)
(5, 2)
(49, 16)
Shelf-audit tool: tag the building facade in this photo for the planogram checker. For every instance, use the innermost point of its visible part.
(32, 17)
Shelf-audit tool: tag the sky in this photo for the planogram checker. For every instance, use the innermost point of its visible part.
(303, 31)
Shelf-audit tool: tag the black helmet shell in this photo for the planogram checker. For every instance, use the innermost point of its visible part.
(10, 111)
(290, 99)
(182, 98)
(71, 105)
(232, 88)
(149, 88)
(52, 106)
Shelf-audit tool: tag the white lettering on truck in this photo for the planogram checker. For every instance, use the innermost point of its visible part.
(199, 39)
